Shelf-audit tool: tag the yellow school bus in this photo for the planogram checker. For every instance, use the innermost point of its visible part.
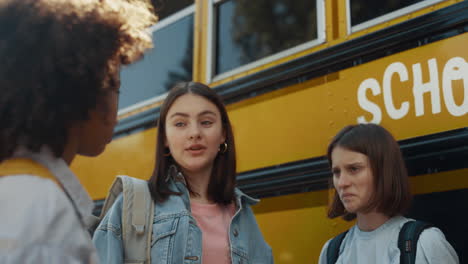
(293, 73)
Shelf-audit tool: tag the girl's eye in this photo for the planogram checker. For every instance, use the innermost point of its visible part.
(206, 123)
(336, 173)
(180, 124)
(354, 169)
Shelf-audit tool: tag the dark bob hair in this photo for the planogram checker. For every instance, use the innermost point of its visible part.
(223, 175)
(392, 194)
(59, 58)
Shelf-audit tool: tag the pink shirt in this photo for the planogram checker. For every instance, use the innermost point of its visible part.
(214, 221)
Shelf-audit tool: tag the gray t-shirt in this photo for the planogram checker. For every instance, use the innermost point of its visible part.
(381, 246)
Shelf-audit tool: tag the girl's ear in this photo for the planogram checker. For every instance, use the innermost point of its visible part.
(223, 138)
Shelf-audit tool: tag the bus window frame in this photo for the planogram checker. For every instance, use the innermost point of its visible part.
(181, 14)
(387, 17)
(321, 38)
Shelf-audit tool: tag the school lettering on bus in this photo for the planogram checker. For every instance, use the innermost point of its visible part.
(440, 86)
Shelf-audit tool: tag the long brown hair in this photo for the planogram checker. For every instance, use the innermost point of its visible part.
(223, 175)
(391, 195)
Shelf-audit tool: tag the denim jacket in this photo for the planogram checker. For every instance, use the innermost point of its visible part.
(176, 237)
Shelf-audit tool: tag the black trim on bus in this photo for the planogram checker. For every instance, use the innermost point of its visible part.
(137, 123)
(423, 155)
(438, 25)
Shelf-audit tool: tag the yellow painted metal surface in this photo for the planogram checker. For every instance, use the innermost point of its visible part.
(439, 182)
(200, 41)
(297, 236)
(132, 155)
(298, 122)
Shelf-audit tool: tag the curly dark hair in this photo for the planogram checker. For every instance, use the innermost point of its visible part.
(58, 58)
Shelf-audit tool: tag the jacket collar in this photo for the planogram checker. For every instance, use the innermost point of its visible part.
(242, 197)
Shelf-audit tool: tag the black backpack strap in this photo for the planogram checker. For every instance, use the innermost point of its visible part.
(408, 240)
(333, 250)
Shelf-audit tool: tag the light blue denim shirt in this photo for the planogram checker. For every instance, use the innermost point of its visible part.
(176, 236)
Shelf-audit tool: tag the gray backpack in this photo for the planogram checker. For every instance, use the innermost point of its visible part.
(137, 217)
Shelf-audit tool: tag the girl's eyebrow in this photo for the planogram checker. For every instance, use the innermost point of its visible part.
(179, 114)
(206, 112)
(355, 163)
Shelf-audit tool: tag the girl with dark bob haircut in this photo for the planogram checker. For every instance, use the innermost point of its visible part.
(59, 83)
(199, 215)
(390, 178)
(371, 185)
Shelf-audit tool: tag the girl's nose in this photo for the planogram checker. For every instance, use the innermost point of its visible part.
(194, 132)
(343, 181)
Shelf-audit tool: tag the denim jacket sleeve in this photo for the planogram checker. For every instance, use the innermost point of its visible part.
(249, 246)
(265, 255)
(108, 236)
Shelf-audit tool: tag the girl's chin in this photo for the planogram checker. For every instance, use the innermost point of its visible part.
(350, 209)
(194, 168)
(196, 163)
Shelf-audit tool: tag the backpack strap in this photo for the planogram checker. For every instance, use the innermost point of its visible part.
(333, 250)
(21, 166)
(137, 217)
(408, 240)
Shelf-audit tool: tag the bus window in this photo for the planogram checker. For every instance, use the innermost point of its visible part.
(170, 61)
(248, 31)
(366, 13)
